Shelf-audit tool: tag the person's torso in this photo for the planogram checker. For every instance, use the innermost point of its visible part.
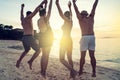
(67, 27)
(86, 25)
(42, 24)
(27, 26)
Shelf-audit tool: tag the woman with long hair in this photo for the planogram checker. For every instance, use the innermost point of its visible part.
(66, 43)
(45, 35)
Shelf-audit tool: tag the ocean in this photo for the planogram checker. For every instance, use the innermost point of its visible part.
(107, 51)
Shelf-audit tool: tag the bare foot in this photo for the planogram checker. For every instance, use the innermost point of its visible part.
(73, 74)
(18, 64)
(80, 73)
(43, 74)
(30, 65)
(93, 75)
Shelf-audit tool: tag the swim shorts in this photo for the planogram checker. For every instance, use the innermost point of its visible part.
(87, 42)
(28, 42)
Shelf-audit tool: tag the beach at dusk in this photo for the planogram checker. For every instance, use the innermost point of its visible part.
(108, 64)
(101, 22)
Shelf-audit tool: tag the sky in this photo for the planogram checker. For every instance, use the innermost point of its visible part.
(107, 17)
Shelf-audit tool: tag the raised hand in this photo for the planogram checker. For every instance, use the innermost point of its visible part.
(57, 1)
(45, 1)
(69, 4)
(74, 1)
(22, 5)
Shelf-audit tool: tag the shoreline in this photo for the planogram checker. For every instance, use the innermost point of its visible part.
(55, 70)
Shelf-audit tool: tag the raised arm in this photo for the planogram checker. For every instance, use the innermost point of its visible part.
(21, 13)
(49, 10)
(76, 9)
(94, 8)
(45, 4)
(69, 5)
(59, 9)
(36, 10)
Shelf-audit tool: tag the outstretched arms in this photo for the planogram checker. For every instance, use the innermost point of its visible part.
(22, 16)
(49, 10)
(36, 10)
(59, 9)
(94, 8)
(45, 3)
(76, 9)
(69, 5)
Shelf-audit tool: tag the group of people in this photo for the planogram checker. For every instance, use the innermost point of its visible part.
(46, 37)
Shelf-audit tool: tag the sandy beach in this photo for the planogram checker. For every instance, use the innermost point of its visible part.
(11, 50)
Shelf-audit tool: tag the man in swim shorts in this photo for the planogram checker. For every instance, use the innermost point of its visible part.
(87, 42)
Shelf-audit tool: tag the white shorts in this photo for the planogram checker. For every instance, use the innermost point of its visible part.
(87, 43)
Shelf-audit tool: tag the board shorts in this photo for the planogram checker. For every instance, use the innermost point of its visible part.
(87, 42)
(46, 38)
(30, 42)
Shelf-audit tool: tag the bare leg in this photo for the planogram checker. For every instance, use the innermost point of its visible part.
(93, 62)
(35, 55)
(68, 64)
(44, 60)
(69, 57)
(82, 61)
(20, 59)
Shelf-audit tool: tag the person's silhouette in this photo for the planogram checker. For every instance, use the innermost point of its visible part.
(87, 42)
(66, 44)
(45, 35)
(28, 39)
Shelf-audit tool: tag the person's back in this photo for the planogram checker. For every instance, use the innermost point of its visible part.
(28, 39)
(45, 35)
(42, 24)
(87, 41)
(67, 27)
(27, 26)
(86, 24)
(66, 43)
(26, 22)
(45, 30)
(43, 21)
